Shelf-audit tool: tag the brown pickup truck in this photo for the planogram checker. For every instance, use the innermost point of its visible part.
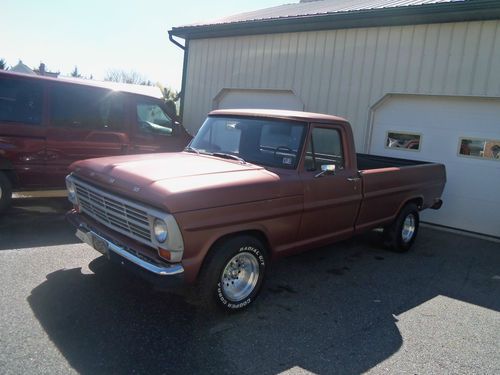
(253, 185)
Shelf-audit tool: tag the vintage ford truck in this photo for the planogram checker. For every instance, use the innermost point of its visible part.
(253, 185)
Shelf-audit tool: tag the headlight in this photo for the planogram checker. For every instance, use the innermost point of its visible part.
(160, 230)
(71, 190)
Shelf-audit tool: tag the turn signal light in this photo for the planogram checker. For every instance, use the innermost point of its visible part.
(165, 254)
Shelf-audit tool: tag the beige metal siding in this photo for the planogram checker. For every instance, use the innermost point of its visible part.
(345, 72)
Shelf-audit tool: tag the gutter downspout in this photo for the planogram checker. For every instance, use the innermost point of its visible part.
(185, 48)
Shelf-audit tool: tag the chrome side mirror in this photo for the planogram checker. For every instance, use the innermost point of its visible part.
(326, 169)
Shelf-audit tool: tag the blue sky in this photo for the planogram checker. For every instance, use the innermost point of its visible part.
(99, 35)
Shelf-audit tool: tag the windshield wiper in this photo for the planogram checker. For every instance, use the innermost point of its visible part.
(191, 149)
(229, 156)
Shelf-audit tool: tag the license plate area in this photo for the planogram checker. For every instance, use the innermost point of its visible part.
(94, 241)
(100, 245)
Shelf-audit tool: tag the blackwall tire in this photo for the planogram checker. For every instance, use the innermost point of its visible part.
(233, 274)
(5, 192)
(401, 234)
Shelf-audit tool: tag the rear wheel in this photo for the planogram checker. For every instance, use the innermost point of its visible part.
(5, 191)
(401, 234)
(233, 273)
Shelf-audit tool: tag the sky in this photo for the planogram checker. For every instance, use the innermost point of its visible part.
(101, 35)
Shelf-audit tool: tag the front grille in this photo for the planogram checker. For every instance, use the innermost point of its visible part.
(114, 212)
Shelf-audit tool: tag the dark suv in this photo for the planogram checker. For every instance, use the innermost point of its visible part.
(48, 123)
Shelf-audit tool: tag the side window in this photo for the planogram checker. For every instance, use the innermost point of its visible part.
(324, 147)
(87, 108)
(20, 101)
(152, 119)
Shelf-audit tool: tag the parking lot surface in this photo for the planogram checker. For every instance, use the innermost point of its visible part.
(345, 309)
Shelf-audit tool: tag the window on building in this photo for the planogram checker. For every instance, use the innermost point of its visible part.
(20, 101)
(480, 148)
(152, 119)
(324, 148)
(403, 140)
(87, 108)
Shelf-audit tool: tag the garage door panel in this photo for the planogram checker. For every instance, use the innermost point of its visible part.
(471, 197)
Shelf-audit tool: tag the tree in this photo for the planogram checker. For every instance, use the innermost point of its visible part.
(118, 75)
(171, 97)
(3, 64)
(75, 73)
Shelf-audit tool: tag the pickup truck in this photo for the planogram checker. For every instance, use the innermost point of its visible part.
(252, 186)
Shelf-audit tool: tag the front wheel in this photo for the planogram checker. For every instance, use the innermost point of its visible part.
(401, 234)
(233, 273)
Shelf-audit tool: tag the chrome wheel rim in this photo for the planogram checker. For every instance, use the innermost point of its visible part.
(240, 277)
(408, 228)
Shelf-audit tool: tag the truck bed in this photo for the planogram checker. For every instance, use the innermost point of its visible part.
(366, 162)
(390, 182)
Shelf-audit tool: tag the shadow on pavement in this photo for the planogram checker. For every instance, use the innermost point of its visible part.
(332, 310)
(36, 222)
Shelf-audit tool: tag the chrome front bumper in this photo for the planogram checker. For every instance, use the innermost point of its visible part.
(104, 246)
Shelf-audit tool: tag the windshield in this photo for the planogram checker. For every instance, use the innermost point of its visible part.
(273, 143)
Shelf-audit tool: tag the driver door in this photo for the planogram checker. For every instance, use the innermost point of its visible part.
(331, 200)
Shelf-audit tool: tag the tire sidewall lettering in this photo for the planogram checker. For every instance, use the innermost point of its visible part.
(254, 251)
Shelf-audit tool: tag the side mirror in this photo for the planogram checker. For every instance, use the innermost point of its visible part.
(326, 169)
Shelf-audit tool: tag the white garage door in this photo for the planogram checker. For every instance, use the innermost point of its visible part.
(266, 99)
(462, 133)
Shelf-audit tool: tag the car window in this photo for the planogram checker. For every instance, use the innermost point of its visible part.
(20, 101)
(152, 119)
(87, 108)
(272, 143)
(324, 147)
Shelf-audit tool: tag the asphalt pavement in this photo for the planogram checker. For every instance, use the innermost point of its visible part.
(345, 309)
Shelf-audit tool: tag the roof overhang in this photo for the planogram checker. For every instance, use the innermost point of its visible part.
(475, 10)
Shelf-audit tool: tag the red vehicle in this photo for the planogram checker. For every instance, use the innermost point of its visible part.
(252, 185)
(48, 123)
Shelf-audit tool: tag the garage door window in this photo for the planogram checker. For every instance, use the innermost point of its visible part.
(403, 141)
(480, 148)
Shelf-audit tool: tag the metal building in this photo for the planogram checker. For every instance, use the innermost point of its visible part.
(417, 79)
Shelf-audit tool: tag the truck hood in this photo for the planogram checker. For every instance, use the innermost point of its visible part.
(179, 182)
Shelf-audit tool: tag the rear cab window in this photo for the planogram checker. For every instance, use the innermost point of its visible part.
(21, 101)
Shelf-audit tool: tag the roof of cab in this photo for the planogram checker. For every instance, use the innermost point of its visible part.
(278, 113)
(151, 91)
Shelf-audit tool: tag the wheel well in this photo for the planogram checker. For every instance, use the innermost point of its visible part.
(254, 233)
(10, 175)
(418, 201)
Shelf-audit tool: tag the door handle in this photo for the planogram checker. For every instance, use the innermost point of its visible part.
(353, 179)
